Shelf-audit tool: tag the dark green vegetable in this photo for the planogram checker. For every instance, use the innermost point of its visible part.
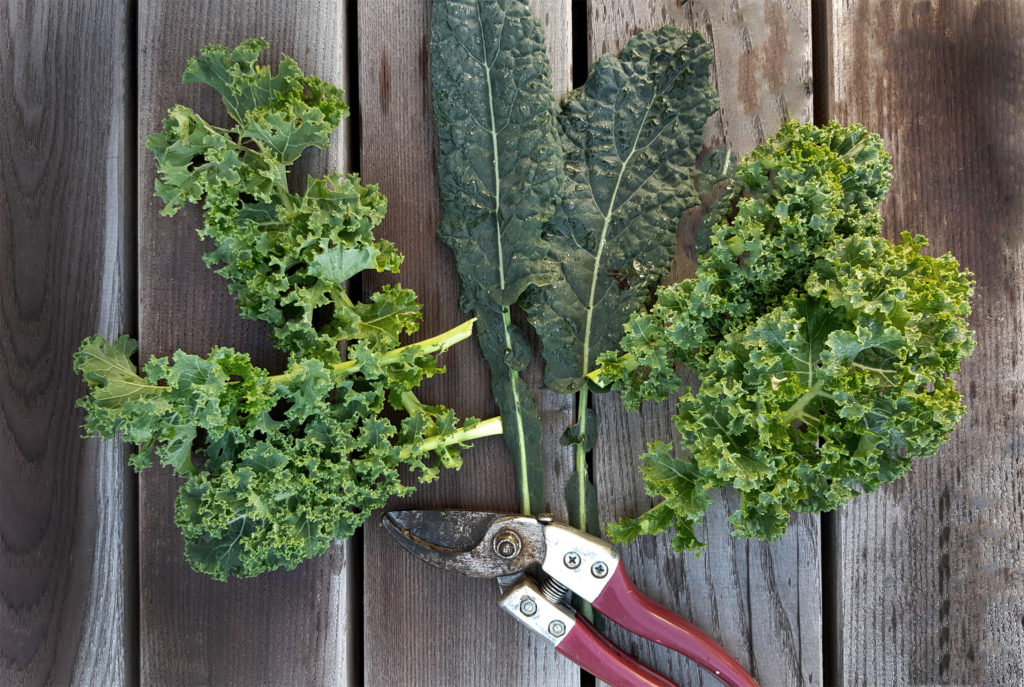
(500, 170)
(586, 233)
(631, 135)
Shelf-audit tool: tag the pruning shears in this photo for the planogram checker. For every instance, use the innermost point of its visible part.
(506, 548)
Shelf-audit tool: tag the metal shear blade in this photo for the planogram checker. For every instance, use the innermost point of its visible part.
(469, 542)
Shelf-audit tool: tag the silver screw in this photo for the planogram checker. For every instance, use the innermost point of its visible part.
(572, 560)
(599, 569)
(545, 518)
(556, 628)
(527, 606)
(507, 544)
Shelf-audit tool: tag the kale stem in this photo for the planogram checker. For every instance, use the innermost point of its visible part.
(581, 458)
(486, 428)
(409, 402)
(435, 344)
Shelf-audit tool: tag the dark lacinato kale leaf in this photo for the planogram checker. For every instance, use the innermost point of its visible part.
(578, 238)
(500, 169)
(631, 135)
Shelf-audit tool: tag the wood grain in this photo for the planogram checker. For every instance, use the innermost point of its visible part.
(68, 609)
(557, 411)
(282, 627)
(930, 586)
(424, 626)
(762, 602)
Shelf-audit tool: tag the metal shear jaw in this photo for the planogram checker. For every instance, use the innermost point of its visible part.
(472, 543)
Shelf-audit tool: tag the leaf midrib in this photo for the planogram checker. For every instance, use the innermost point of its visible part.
(521, 459)
(588, 322)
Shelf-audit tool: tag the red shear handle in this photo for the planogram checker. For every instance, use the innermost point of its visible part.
(590, 650)
(623, 603)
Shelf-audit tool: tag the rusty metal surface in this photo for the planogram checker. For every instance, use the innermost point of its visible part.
(469, 542)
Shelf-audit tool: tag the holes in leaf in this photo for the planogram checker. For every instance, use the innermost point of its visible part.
(292, 312)
(246, 198)
(620, 278)
(323, 314)
(800, 426)
(279, 412)
(197, 161)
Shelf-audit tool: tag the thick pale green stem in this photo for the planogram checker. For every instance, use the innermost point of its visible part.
(486, 428)
(581, 457)
(522, 459)
(436, 344)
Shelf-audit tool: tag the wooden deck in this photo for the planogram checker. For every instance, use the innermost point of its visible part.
(921, 583)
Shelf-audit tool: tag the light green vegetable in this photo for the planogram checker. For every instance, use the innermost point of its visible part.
(278, 466)
(824, 351)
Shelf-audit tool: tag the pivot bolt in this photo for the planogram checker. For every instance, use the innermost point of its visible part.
(599, 569)
(556, 628)
(545, 518)
(527, 606)
(507, 544)
(572, 560)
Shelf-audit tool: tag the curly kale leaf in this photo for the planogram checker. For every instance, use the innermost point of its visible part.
(285, 255)
(286, 462)
(824, 351)
(277, 466)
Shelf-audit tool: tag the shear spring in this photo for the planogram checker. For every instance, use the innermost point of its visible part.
(553, 590)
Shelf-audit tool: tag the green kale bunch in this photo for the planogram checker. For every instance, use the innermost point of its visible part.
(824, 351)
(278, 466)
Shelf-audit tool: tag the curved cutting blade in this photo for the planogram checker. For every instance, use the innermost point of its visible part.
(473, 543)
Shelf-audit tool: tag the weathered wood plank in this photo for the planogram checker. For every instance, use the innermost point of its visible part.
(424, 626)
(282, 627)
(930, 586)
(761, 601)
(556, 410)
(66, 526)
